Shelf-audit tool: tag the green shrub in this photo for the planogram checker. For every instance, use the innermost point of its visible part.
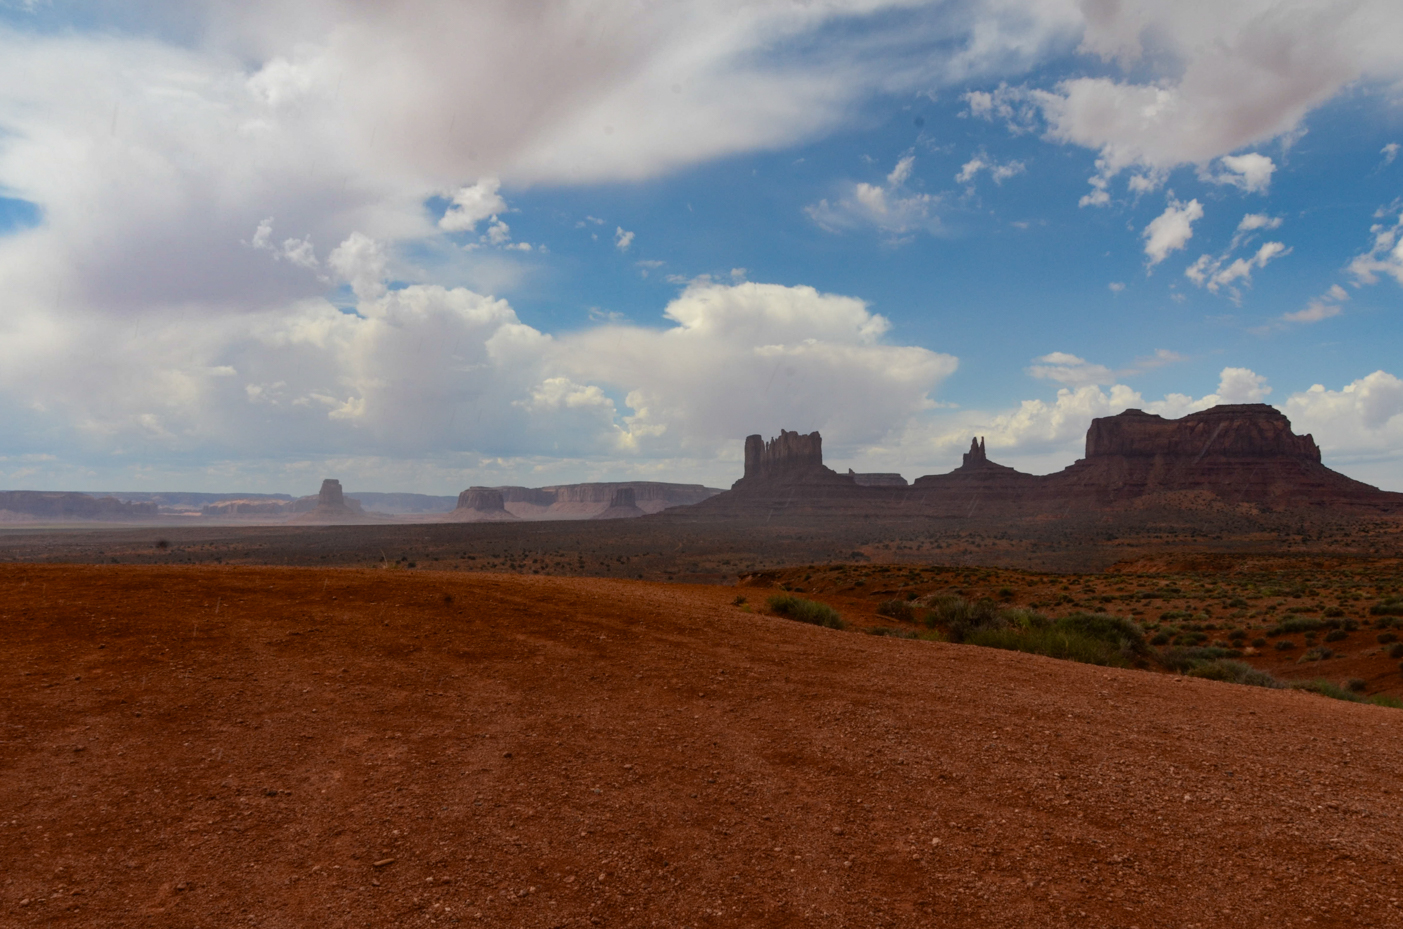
(1387, 637)
(1234, 672)
(1297, 624)
(1319, 653)
(893, 632)
(1125, 634)
(1184, 659)
(1396, 650)
(1237, 603)
(1335, 635)
(1392, 606)
(1066, 644)
(1285, 645)
(899, 610)
(1386, 700)
(1326, 689)
(1259, 643)
(805, 611)
(1160, 638)
(1356, 684)
(1334, 611)
(960, 617)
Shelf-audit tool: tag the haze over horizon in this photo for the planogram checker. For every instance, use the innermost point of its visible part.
(422, 245)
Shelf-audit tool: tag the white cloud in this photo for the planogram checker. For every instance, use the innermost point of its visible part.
(1041, 435)
(360, 261)
(891, 207)
(997, 171)
(1390, 152)
(1115, 287)
(1069, 369)
(1323, 307)
(622, 239)
(1385, 256)
(1250, 172)
(429, 371)
(1220, 78)
(1171, 230)
(471, 205)
(1213, 273)
(1360, 425)
(1254, 221)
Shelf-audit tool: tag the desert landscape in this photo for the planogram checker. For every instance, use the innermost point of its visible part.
(601, 464)
(806, 700)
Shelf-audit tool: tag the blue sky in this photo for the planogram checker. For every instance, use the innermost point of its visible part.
(426, 245)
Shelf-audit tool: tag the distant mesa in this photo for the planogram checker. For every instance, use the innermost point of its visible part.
(39, 505)
(622, 506)
(1237, 453)
(480, 505)
(332, 507)
(877, 480)
(580, 501)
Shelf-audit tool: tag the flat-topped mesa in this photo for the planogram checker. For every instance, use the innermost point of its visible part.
(1240, 430)
(877, 479)
(790, 458)
(480, 505)
(482, 499)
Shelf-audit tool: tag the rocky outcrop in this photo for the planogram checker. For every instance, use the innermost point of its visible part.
(586, 501)
(1234, 454)
(1241, 453)
(622, 506)
(877, 480)
(65, 506)
(787, 474)
(332, 507)
(790, 458)
(236, 508)
(1235, 431)
(480, 505)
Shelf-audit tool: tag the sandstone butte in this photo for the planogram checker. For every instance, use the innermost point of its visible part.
(1230, 454)
(333, 507)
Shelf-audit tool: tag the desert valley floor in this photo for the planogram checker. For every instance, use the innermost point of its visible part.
(216, 745)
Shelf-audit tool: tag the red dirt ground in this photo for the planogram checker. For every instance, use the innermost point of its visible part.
(212, 747)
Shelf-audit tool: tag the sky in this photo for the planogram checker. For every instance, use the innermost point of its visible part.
(426, 244)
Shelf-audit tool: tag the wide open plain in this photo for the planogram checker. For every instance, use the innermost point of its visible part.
(201, 745)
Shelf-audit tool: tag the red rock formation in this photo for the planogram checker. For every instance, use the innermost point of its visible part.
(479, 505)
(1241, 453)
(790, 457)
(622, 506)
(332, 507)
(68, 505)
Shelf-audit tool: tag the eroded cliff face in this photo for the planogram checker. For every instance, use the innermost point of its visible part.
(479, 505)
(1241, 453)
(1246, 430)
(789, 454)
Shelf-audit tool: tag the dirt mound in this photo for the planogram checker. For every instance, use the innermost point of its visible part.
(285, 747)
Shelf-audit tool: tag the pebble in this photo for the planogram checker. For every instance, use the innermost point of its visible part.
(383, 861)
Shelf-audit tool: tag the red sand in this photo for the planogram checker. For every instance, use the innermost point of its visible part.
(212, 747)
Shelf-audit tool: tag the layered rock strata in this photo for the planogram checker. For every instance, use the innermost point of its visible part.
(480, 505)
(622, 506)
